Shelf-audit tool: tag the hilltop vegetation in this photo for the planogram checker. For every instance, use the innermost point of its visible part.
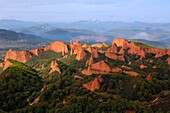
(54, 81)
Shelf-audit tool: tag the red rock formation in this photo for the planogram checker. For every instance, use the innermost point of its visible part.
(87, 71)
(85, 45)
(37, 51)
(131, 73)
(100, 45)
(101, 66)
(6, 64)
(1, 64)
(149, 77)
(119, 41)
(121, 51)
(21, 56)
(57, 46)
(143, 66)
(114, 56)
(54, 67)
(93, 51)
(77, 49)
(90, 61)
(93, 85)
(111, 56)
(112, 49)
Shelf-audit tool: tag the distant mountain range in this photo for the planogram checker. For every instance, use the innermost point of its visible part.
(157, 34)
(12, 40)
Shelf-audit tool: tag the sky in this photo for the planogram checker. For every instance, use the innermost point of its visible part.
(77, 10)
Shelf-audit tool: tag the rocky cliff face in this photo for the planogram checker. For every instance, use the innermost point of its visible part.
(37, 51)
(143, 66)
(6, 64)
(93, 51)
(77, 49)
(120, 42)
(57, 46)
(100, 45)
(21, 56)
(112, 49)
(1, 64)
(93, 85)
(114, 56)
(149, 77)
(100, 68)
(54, 67)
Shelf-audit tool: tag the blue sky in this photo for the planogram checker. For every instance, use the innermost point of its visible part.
(76, 10)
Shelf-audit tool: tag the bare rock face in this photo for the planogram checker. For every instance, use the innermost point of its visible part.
(6, 64)
(160, 53)
(37, 51)
(136, 50)
(112, 49)
(131, 73)
(114, 56)
(101, 66)
(93, 85)
(21, 56)
(119, 42)
(93, 51)
(143, 66)
(87, 71)
(90, 61)
(85, 45)
(54, 67)
(121, 51)
(149, 77)
(1, 64)
(77, 49)
(99, 45)
(57, 46)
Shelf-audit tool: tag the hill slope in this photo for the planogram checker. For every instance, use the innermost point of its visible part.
(10, 39)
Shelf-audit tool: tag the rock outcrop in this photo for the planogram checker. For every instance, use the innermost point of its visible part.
(93, 85)
(114, 56)
(149, 77)
(21, 56)
(131, 73)
(119, 42)
(54, 67)
(77, 49)
(100, 45)
(112, 49)
(1, 64)
(37, 51)
(57, 47)
(93, 51)
(100, 68)
(87, 71)
(143, 66)
(6, 64)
